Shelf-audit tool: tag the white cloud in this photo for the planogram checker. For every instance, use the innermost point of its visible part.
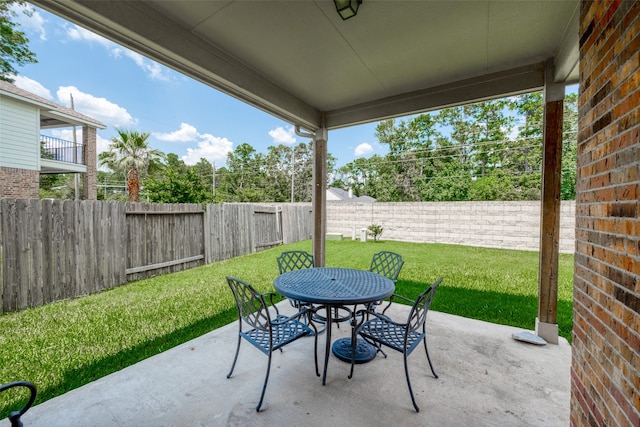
(31, 21)
(186, 133)
(33, 86)
(281, 135)
(101, 144)
(514, 134)
(67, 134)
(210, 147)
(99, 108)
(80, 34)
(151, 68)
(363, 149)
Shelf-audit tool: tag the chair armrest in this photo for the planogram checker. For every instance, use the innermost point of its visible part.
(304, 312)
(394, 297)
(380, 316)
(270, 296)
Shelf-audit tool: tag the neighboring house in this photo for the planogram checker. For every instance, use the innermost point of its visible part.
(340, 195)
(25, 153)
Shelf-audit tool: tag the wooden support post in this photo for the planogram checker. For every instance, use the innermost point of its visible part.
(546, 323)
(319, 202)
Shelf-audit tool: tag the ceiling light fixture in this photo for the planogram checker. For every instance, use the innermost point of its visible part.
(347, 8)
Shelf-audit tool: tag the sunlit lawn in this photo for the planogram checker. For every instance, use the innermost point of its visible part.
(64, 345)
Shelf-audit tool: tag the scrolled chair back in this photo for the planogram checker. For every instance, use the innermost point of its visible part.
(387, 264)
(294, 260)
(252, 308)
(418, 314)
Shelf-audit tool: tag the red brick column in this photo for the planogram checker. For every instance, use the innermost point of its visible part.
(89, 189)
(605, 377)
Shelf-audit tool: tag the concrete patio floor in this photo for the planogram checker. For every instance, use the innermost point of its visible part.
(486, 379)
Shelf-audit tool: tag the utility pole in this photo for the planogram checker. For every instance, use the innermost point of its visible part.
(75, 154)
(213, 180)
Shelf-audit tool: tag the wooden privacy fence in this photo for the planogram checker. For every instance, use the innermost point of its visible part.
(163, 238)
(53, 249)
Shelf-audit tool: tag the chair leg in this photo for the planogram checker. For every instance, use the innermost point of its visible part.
(429, 358)
(266, 378)
(354, 338)
(355, 325)
(311, 321)
(233, 365)
(315, 354)
(315, 341)
(406, 372)
(379, 348)
(377, 345)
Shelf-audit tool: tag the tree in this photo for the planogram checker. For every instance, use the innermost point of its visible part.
(375, 230)
(57, 186)
(280, 163)
(463, 153)
(14, 49)
(176, 186)
(130, 153)
(111, 186)
(450, 178)
(569, 147)
(245, 178)
(526, 154)
(303, 170)
(205, 171)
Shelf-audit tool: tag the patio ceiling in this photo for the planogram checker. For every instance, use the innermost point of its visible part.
(299, 61)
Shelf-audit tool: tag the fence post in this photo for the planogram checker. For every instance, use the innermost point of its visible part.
(206, 226)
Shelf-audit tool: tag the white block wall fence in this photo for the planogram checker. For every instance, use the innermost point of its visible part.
(509, 225)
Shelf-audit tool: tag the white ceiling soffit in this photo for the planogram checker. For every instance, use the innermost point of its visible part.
(299, 61)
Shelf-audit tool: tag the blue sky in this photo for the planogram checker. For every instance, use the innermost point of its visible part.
(123, 89)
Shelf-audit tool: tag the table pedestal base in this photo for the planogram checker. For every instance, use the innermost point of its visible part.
(365, 352)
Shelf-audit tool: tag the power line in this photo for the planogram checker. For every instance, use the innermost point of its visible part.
(452, 152)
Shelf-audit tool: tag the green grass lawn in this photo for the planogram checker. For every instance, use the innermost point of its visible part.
(64, 345)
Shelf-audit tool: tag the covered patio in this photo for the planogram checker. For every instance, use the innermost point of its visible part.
(302, 63)
(486, 378)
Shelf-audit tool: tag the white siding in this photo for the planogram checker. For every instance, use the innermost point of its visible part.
(19, 135)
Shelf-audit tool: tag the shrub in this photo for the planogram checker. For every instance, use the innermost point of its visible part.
(375, 231)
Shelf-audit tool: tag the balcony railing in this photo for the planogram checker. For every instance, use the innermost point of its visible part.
(60, 150)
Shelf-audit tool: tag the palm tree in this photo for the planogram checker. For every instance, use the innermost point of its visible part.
(130, 153)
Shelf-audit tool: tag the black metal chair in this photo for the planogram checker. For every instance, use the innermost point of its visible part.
(299, 260)
(387, 264)
(381, 330)
(291, 261)
(14, 417)
(267, 334)
(294, 260)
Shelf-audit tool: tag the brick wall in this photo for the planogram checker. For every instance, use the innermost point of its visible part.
(509, 225)
(605, 377)
(19, 183)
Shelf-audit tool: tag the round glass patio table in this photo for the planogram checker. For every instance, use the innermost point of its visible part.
(334, 288)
